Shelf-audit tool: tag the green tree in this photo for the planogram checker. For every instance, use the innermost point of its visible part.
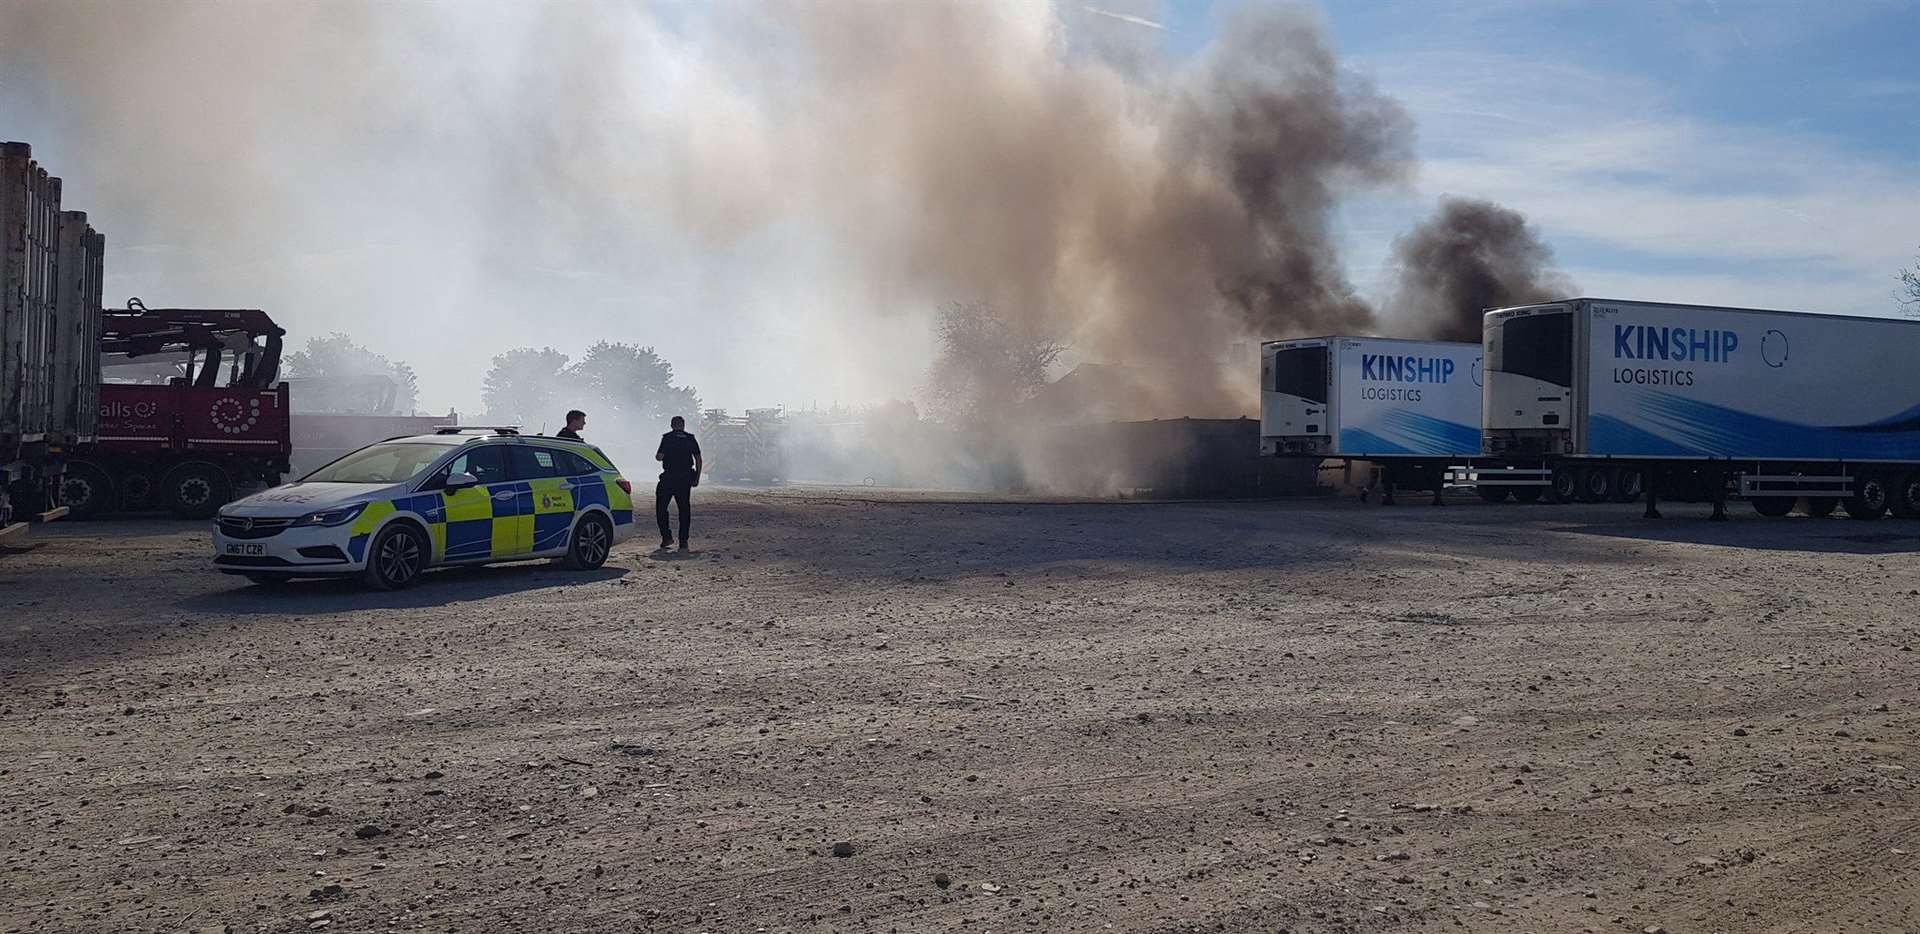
(527, 387)
(335, 375)
(987, 365)
(632, 384)
(623, 388)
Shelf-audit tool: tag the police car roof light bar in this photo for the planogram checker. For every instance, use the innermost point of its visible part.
(462, 429)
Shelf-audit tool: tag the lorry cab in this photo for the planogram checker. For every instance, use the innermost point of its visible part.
(1528, 394)
(1296, 382)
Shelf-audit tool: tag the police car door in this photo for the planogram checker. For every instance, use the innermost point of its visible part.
(483, 521)
(543, 471)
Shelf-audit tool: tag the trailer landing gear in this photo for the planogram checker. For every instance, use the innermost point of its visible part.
(1719, 481)
(1652, 482)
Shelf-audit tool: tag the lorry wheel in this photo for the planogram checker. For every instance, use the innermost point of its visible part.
(1773, 507)
(1493, 494)
(86, 491)
(137, 490)
(1596, 485)
(1906, 496)
(1565, 484)
(1869, 499)
(396, 558)
(1820, 507)
(194, 490)
(1527, 494)
(1628, 486)
(592, 539)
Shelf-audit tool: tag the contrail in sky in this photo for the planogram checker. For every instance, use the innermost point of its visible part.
(1137, 21)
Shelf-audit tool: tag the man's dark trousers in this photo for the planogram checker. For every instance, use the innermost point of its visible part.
(677, 490)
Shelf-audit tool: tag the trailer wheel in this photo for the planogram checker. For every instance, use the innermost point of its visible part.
(86, 491)
(138, 491)
(1565, 485)
(1493, 494)
(1527, 494)
(1628, 485)
(1596, 485)
(195, 490)
(1906, 496)
(1773, 507)
(1820, 507)
(1869, 499)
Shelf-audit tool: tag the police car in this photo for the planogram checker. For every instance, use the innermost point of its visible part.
(389, 511)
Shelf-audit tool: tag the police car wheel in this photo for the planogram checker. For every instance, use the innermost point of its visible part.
(592, 540)
(398, 556)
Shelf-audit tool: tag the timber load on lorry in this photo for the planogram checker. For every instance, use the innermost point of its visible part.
(210, 418)
(50, 278)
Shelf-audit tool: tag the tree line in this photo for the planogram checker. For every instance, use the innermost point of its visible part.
(534, 388)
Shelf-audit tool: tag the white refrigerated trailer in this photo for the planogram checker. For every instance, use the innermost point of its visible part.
(1780, 405)
(1411, 407)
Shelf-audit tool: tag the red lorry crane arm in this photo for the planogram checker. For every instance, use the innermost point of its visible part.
(142, 330)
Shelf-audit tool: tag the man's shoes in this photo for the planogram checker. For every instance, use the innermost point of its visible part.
(667, 543)
(683, 548)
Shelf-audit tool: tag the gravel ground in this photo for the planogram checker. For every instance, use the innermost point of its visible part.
(866, 711)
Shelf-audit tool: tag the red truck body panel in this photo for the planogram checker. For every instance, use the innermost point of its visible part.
(140, 419)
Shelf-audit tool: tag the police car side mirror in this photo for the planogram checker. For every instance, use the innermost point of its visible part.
(461, 481)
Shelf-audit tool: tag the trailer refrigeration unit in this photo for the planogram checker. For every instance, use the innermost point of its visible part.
(1410, 407)
(1786, 405)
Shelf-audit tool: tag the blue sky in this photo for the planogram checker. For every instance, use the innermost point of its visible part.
(1752, 152)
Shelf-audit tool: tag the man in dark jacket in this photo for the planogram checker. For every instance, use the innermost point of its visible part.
(680, 466)
(576, 420)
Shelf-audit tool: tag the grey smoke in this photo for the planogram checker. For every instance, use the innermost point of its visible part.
(1470, 256)
(831, 173)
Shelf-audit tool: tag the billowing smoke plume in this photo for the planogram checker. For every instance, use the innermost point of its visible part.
(1471, 256)
(1145, 218)
(778, 196)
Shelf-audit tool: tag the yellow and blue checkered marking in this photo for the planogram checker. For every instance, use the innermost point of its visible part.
(477, 523)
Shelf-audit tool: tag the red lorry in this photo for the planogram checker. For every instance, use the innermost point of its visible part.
(207, 424)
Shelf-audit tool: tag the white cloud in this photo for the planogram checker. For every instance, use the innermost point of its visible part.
(1611, 160)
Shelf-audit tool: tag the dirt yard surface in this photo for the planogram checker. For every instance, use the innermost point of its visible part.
(863, 711)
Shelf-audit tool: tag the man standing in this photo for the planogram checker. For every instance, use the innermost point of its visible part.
(576, 420)
(680, 466)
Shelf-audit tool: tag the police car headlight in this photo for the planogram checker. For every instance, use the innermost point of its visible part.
(340, 516)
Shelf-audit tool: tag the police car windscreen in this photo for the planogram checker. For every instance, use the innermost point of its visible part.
(391, 462)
